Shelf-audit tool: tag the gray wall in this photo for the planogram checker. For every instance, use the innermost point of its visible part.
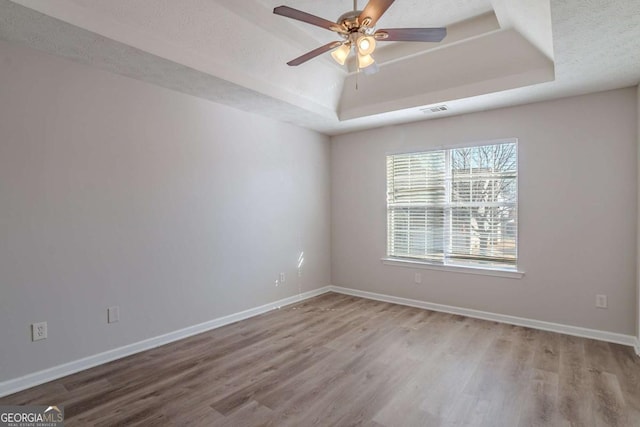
(577, 211)
(116, 192)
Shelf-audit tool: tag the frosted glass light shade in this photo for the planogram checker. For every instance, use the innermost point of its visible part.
(340, 54)
(366, 45)
(364, 61)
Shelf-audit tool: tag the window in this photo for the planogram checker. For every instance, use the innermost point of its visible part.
(454, 207)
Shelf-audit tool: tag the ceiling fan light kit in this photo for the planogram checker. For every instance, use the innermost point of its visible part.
(364, 61)
(341, 53)
(366, 45)
(357, 28)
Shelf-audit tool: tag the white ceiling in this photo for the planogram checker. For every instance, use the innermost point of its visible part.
(234, 52)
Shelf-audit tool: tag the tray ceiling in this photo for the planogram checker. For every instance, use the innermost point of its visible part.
(498, 53)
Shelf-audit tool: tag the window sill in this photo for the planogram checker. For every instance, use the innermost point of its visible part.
(512, 274)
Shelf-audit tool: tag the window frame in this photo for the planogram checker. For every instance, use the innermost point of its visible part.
(485, 270)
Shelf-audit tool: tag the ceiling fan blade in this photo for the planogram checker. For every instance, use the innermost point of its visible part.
(315, 52)
(373, 11)
(299, 15)
(411, 34)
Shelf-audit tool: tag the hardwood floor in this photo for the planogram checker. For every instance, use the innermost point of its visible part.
(341, 360)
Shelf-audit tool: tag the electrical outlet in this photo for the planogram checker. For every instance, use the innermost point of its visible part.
(38, 331)
(601, 301)
(282, 278)
(113, 314)
(417, 278)
(277, 283)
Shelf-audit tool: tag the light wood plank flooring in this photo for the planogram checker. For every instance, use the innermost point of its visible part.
(341, 360)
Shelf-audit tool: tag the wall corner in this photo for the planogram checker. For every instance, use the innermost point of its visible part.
(638, 225)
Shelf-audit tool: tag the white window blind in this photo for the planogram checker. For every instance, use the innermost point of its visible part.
(454, 207)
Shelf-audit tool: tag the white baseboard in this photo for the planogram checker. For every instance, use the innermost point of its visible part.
(501, 318)
(40, 377)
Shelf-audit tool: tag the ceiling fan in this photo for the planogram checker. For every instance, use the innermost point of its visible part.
(357, 29)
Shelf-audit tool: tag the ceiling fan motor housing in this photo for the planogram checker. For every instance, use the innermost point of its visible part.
(349, 20)
(350, 23)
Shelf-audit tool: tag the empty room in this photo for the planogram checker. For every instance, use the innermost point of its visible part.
(296, 212)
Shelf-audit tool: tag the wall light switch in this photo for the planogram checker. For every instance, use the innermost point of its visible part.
(601, 301)
(417, 278)
(282, 278)
(113, 314)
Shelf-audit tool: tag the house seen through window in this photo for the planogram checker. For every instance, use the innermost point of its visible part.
(455, 206)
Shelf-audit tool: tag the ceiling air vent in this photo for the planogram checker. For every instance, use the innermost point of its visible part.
(434, 109)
